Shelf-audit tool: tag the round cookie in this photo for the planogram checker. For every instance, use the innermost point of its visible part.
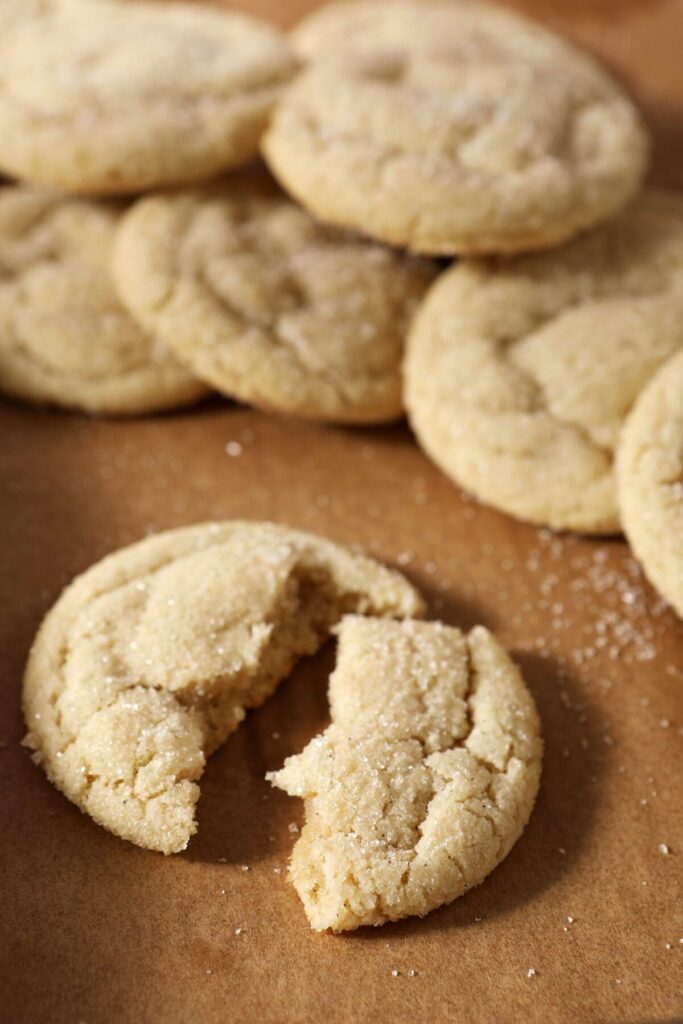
(148, 660)
(650, 481)
(268, 306)
(424, 780)
(453, 127)
(64, 336)
(519, 374)
(114, 97)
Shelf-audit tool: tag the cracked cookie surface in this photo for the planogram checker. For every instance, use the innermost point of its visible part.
(266, 305)
(519, 374)
(424, 780)
(64, 336)
(452, 127)
(148, 661)
(650, 481)
(113, 97)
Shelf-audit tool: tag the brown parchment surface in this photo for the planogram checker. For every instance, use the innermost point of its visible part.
(94, 930)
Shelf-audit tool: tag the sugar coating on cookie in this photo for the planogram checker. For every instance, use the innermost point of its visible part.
(423, 781)
(520, 373)
(268, 306)
(148, 660)
(113, 97)
(64, 336)
(452, 127)
(650, 481)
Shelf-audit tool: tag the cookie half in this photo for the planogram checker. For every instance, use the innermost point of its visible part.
(520, 373)
(453, 127)
(148, 660)
(268, 306)
(650, 476)
(64, 336)
(114, 97)
(423, 781)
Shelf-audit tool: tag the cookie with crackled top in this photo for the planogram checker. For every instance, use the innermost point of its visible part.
(148, 661)
(268, 306)
(453, 127)
(65, 338)
(520, 373)
(424, 780)
(650, 481)
(114, 97)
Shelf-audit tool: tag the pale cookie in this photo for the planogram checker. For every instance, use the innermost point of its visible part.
(453, 127)
(423, 781)
(650, 481)
(147, 662)
(113, 97)
(64, 336)
(268, 306)
(519, 374)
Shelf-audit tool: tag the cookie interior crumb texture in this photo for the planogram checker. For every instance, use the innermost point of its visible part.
(268, 306)
(113, 97)
(148, 661)
(423, 781)
(650, 476)
(453, 128)
(519, 373)
(64, 336)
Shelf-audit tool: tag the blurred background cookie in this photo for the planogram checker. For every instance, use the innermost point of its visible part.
(268, 306)
(113, 97)
(453, 127)
(650, 475)
(65, 338)
(520, 373)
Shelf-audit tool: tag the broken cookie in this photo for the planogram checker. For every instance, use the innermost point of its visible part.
(424, 780)
(148, 661)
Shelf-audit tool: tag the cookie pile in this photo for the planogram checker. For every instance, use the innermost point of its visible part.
(146, 258)
(445, 128)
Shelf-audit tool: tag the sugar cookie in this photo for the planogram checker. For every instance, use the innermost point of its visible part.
(423, 781)
(148, 660)
(266, 305)
(519, 374)
(64, 336)
(114, 97)
(650, 480)
(453, 127)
